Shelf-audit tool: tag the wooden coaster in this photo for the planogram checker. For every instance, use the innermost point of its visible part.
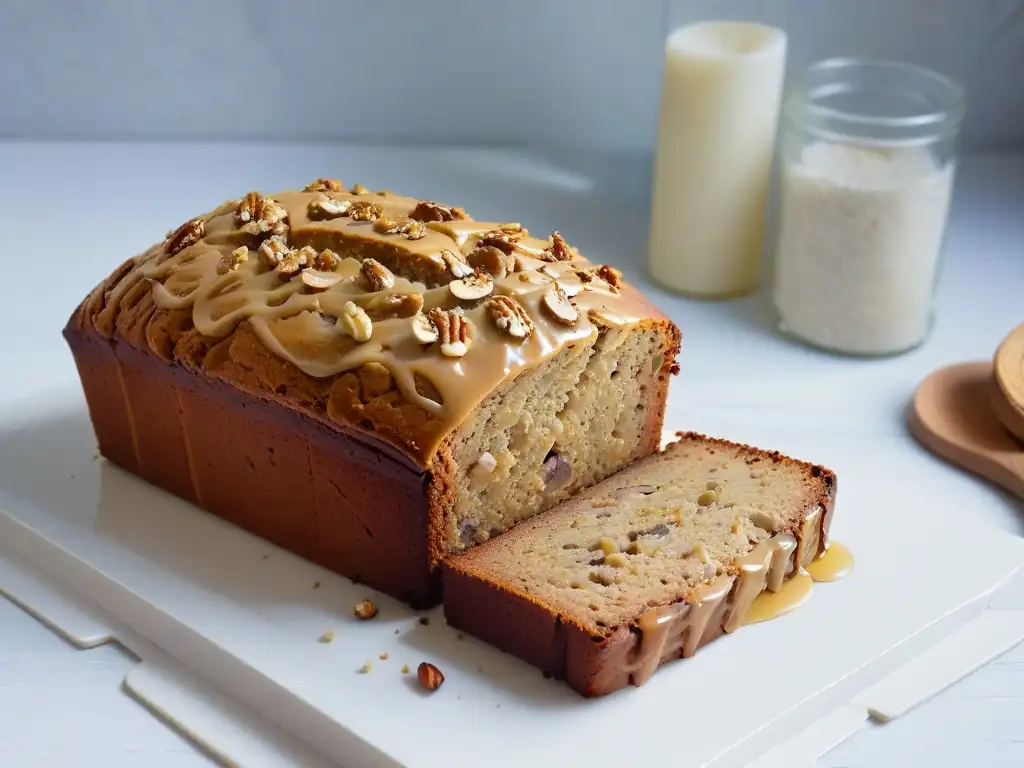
(1009, 377)
(952, 417)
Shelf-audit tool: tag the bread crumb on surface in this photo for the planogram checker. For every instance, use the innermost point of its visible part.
(383, 657)
(424, 620)
(316, 585)
(405, 669)
(365, 669)
(327, 636)
(365, 609)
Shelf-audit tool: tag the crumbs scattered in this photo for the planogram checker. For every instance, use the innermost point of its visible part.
(405, 669)
(316, 585)
(266, 557)
(365, 669)
(327, 636)
(383, 657)
(424, 620)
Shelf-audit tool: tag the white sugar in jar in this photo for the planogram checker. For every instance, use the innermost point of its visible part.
(868, 159)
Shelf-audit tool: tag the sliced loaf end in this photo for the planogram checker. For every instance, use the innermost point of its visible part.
(685, 539)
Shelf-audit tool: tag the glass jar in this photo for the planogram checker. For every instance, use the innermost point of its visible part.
(867, 159)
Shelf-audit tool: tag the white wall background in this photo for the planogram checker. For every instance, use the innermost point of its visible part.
(544, 73)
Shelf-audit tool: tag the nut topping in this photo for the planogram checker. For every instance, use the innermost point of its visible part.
(386, 307)
(456, 265)
(424, 331)
(559, 306)
(189, 233)
(316, 280)
(504, 238)
(359, 189)
(428, 210)
(377, 276)
(413, 230)
(510, 316)
(324, 185)
(611, 276)
(430, 677)
(491, 260)
(325, 207)
(326, 261)
(473, 287)
(295, 261)
(233, 260)
(386, 226)
(355, 322)
(558, 250)
(366, 211)
(273, 250)
(259, 215)
(452, 329)
(365, 609)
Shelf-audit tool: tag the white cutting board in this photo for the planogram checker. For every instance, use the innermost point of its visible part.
(246, 617)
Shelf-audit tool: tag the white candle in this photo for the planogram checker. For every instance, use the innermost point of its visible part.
(720, 98)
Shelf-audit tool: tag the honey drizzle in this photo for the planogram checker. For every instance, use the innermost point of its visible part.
(835, 564)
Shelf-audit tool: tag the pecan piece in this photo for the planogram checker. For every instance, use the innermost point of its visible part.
(430, 677)
(472, 287)
(559, 306)
(388, 306)
(510, 316)
(611, 276)
(558, 250)
(356, 322)
(452, 329)
(189, 233)
(491, 260)
(366, 211)
(428, 210)
(378, 277)
(504, 238)
(295, 261)
(325, 207)
(324, 185)
(260, 215)
(326, 261)
(413, 230)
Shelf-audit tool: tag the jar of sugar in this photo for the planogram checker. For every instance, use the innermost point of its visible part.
(867, 158)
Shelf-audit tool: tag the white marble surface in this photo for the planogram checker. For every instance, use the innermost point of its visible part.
(101, 211)
(529, 73)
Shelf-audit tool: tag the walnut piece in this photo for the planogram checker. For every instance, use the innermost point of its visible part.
(428, 210)
(388, 306)
(559, 306)
(324, 185)
(355, 322)
(611, 276)
(510, 316)
(295, 260)
(558, 250)
(233, 260)
(325, 207)
(366, 211)
(453, 331)
(504, 238)
(377, 276)
(326, 261)
(189, 233)
(491, 260)
(456, 264)
(413, 230)
(472, 287)
(261, 215)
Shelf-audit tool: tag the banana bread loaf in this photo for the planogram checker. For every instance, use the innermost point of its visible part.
(646, 566)
(371, 381)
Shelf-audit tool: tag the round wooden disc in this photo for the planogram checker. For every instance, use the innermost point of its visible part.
(1009, 376)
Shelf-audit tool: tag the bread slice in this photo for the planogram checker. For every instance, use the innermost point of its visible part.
(646, 566)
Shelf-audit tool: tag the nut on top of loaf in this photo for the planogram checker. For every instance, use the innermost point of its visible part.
(415, 299)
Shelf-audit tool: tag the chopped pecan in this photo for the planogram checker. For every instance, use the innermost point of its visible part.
(326, 261)
(260, 215)
(388, 306)
(189, 233)
(504, 238)
(295, 260)
(456, 264)
(356, 322)
(273, 250)
(491, 260)
(324, 185)
(325, 207)
(386, 226)
(366, 211)
(453, 331)
(558, 250)
(611, 276)
(559, 306)
(413, 230)
(377, 276)
(233, 260)
(428, 210)
(510, 316)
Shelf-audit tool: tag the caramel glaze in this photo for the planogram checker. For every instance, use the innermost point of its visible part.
(775, 567)
(300, 324)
